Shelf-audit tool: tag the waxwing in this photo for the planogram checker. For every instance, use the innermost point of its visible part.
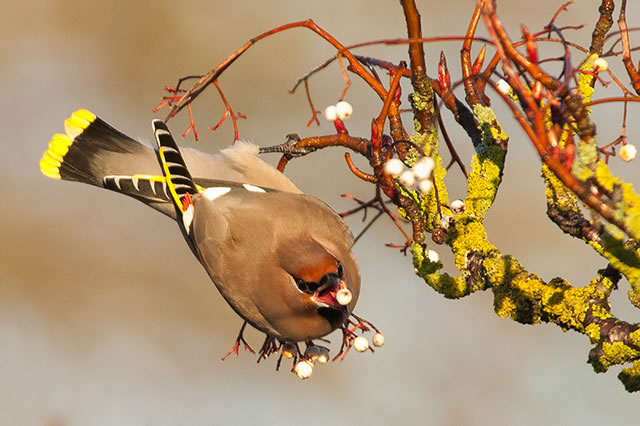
(278, 257)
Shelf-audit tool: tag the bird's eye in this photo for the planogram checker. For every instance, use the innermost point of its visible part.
(305, 286)
(340, 270)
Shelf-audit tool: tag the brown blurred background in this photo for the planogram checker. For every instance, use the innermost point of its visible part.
(107, 319)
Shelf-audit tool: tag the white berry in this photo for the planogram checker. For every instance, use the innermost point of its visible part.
(447, 222)
(312, 352)
(628, 152)
(331, 113)
(425, 186)
(317, 353)
(408, 178)
(393, 167)
(424, 167)
(323, 356)
(600, 65)
(344, 110)
(503, 87)
(433, 256)
(344, 296)
(378, 339)
(289, 350)
(457, 206)
(304, 369)
(361, 344)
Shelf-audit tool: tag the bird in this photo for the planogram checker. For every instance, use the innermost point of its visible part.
(280, 258)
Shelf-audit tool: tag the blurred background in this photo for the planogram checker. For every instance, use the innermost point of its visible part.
(107, 319)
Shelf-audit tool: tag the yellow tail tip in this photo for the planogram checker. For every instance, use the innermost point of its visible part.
(84, 114)
(49, 168)
(59, 145)
(78, 122)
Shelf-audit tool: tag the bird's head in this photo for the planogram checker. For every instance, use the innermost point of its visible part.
(323, 288)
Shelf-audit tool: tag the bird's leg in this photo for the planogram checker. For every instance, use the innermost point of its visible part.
(240, 338)
(268, 347)
(307, 344)
(289, 148)
(279, 362)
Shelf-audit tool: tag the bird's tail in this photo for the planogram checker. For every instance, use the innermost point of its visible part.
(93, 152)
(90, 149)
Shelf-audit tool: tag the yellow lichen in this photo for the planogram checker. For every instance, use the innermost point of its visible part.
(505, 307)
(487, 164)
(519, 294)
(593, 331)
(585, 78)
(616, 353)
(630, 203)
(630, 377)
(419, 103)
(635, 338)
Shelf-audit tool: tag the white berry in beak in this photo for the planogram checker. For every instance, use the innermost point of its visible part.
(344, 296)
(378, 339)
(304, 369)
(361, 344)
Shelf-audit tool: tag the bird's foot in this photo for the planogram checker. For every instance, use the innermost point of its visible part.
(269, 346)
(303, 362)
(236, 346)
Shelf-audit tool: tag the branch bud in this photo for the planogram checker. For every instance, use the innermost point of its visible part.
(477, 64)
(532, 50)
(443, 73)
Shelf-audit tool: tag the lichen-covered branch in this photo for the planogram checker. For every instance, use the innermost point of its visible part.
(422, 100)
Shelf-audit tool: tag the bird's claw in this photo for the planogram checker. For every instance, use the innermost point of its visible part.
(351, 337)
(236, 345)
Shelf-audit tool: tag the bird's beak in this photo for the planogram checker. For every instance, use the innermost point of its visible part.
(326, 295)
